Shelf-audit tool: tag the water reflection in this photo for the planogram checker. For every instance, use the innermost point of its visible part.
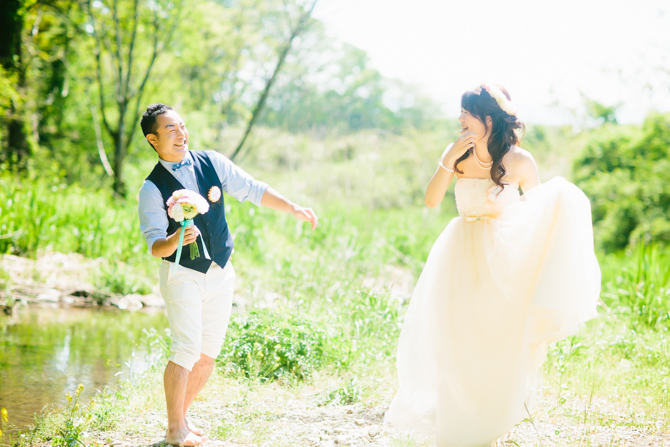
(45, 353)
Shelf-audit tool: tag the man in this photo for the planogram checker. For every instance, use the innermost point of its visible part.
(198, 295)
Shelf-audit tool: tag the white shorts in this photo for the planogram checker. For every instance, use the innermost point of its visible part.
(198, 309)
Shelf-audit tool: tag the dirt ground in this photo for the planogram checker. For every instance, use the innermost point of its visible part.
(236, 414)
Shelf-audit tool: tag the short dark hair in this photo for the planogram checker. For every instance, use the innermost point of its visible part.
(148, 121)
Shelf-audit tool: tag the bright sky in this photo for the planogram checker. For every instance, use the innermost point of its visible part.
(544, 52)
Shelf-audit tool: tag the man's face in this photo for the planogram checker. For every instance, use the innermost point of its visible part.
(171, 137)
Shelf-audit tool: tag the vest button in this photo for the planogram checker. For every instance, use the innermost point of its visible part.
(210, 234)
(207, 223)
(212, 245)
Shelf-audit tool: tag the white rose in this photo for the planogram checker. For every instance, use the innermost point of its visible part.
(177, 212)
(201, 204)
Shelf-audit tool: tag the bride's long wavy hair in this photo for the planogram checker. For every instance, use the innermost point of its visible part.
(506, 130)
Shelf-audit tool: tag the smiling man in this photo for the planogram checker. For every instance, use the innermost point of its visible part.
(198, 295)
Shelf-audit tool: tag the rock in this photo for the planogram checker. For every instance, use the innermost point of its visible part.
(152, 300)
(324, 437)
(373, 431)
(360, 422)
(327, 444)
(127, 302)
(341, 440)
(350, 411)
(340, 430)
(49, 296)
(84, 290)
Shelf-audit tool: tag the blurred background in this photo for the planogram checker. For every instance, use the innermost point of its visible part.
(343, 106)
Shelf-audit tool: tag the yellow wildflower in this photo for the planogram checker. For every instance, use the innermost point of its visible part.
(5, 414)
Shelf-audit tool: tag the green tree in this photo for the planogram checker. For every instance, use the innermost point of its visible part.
(625, 171)
(12, 16)
(232, 68)
(600, 112)
(129, 36)
(295, 30)
(329, 85)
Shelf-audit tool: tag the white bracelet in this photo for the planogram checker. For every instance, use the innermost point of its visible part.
(444, 167)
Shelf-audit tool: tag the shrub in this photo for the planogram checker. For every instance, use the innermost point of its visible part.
(270, 345)
(625, 172)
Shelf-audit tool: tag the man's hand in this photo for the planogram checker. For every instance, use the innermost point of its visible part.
(190, 235)
(164, 248)
(272, 199)
(306, 214)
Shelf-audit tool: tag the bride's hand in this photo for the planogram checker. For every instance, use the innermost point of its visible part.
(459, 147)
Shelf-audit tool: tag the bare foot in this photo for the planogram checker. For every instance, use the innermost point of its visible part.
(192, 428)
(183, 438)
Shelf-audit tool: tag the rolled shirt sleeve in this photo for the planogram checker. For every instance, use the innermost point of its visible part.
(153, 214)
(235, 181)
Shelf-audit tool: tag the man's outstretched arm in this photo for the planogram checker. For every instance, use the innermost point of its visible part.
(272, 199)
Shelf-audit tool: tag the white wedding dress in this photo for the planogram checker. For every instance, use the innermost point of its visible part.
(509, 276)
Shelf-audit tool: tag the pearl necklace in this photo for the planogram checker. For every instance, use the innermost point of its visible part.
(480, 163)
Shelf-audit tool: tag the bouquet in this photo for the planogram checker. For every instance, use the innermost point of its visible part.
(183, 206)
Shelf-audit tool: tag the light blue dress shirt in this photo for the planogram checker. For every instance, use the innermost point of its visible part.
(235, 181)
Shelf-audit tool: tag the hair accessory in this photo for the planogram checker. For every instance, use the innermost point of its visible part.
(504, 103)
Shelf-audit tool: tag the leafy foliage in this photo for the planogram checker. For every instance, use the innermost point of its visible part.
(78, 112)
(345, 395)
(268, 345)
(76, 421)
(625, 171)
(638, 286)
(38, 213)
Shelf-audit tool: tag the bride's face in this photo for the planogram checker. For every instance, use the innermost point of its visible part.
(472, 124)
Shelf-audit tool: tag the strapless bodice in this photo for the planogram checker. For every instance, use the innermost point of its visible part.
(477, 197)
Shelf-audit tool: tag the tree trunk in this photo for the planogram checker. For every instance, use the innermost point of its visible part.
(126, 96)
(17, 143)
(120, 151)
(118, 186)
(11, 21)
(302, 21)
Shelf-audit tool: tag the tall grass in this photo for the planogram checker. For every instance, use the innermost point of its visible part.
(337, 279)
(637, 285)
(37, 214)
(335, 275)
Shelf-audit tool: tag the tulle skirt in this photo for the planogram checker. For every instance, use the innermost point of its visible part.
(492, 296)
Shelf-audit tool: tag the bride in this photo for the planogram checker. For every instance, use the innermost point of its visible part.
(509, 276)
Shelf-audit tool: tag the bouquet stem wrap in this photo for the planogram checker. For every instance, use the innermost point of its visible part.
(194, 245)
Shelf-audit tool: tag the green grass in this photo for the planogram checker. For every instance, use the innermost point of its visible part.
(637, 286)
(337, 281)
(324, 279)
